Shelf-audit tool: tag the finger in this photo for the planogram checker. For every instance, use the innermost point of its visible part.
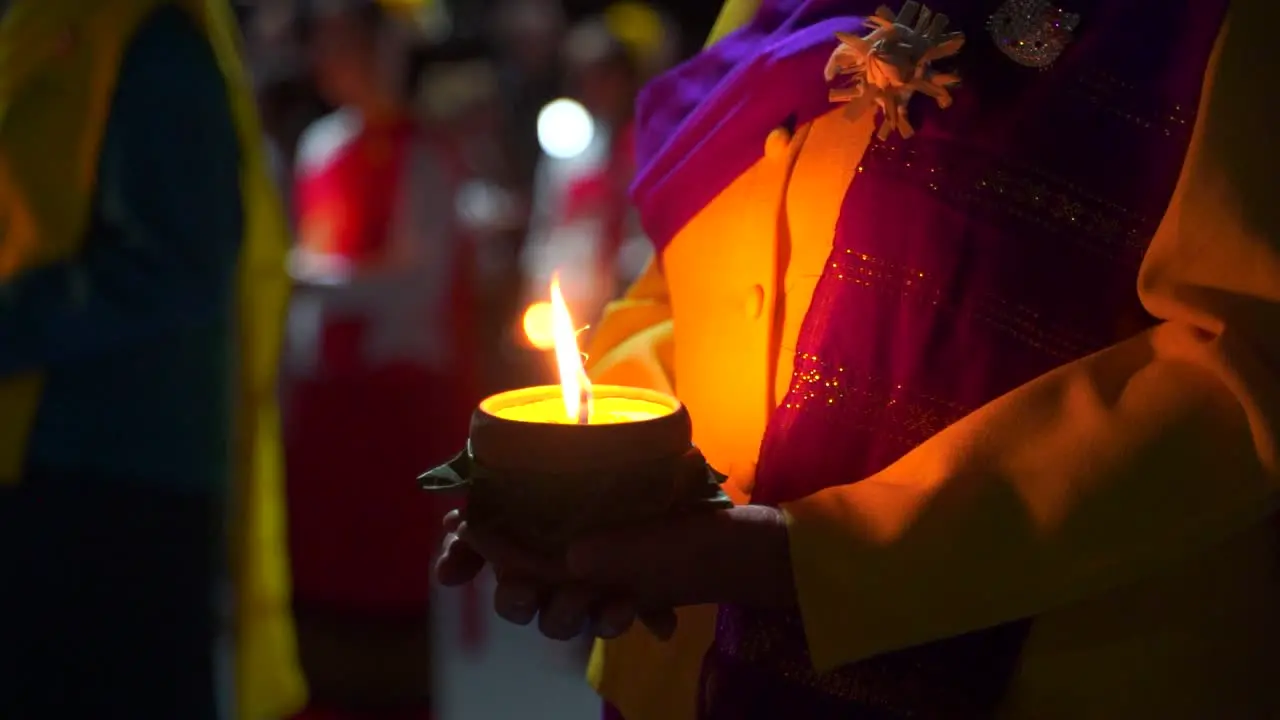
(614, 618)
(662, 623)
(499, 551)
(459, 563)
(452, 520)
(565, 615)
(516, 600)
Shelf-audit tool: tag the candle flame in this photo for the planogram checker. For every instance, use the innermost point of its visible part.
(575, 388)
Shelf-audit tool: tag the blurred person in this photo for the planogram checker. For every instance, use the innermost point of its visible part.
(994, 370)
(463, 97)
(528, 35)
(281, 81)
(583, 225)
(382, 366)
(142, 293)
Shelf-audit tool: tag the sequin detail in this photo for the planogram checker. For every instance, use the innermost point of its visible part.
(866, 401)
(1013, 319)
(991, 185)
(1119, 98)
(1032, 33)
(755, 641)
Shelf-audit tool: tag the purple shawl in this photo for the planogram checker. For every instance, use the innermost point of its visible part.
(1000, 242)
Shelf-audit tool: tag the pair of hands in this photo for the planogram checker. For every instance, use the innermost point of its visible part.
(605, 584)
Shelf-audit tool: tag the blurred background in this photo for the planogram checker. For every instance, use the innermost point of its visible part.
(441, 160)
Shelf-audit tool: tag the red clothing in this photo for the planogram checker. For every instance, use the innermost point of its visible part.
(360, 428)
(345, 203)
(603, 193)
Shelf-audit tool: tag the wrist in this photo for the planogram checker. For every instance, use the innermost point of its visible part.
(767, 555)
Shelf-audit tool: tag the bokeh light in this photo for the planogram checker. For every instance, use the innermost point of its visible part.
(565, 129)
(539, 326)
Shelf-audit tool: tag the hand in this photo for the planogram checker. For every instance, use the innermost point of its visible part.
(530, 586)
(606, 582)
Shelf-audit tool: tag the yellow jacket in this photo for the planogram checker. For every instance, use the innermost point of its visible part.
(48, 154)
(1174, 432)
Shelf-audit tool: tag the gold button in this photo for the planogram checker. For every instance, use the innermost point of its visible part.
(754, 303)
(778, 144)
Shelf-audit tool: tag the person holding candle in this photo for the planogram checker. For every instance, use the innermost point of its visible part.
(992, 367)
(142, 293)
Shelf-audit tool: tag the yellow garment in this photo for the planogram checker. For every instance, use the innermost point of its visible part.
(1124, 498)
(48, 154)
(733, 15)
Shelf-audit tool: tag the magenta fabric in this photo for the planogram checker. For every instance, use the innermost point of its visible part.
(703, 123)
(1000, 242)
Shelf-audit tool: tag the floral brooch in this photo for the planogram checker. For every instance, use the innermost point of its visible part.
(891, 64)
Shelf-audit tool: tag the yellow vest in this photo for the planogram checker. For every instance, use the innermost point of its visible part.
(59, 60)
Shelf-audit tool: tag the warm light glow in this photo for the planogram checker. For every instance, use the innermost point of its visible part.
(575, 388)
(538, 327)
(565, 129)
(610, 405)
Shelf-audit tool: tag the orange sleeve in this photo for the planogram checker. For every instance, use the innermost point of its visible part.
(1141, 454)
(633, 343)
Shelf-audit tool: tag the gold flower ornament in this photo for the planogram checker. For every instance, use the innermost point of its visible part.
(892, 63)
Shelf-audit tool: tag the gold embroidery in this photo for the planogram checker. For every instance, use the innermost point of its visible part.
(765, 643)
(1116, 97)
(867, 402)
(876, 683)
(933, 681)
(1021, 322)
(1089, 222)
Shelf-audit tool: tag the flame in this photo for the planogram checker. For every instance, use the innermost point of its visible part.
(575, 388)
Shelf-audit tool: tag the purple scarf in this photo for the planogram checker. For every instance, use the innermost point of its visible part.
(1000, 242)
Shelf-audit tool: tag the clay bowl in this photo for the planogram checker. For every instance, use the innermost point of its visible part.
(545, 484)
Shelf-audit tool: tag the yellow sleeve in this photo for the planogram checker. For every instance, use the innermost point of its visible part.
(1136, 456)
(633, 343)
(733, 15)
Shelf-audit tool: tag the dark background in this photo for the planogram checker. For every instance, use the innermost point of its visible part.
(695, 17)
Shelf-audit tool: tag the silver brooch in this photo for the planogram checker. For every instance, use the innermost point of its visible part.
(891, 64)
(1032, 33)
